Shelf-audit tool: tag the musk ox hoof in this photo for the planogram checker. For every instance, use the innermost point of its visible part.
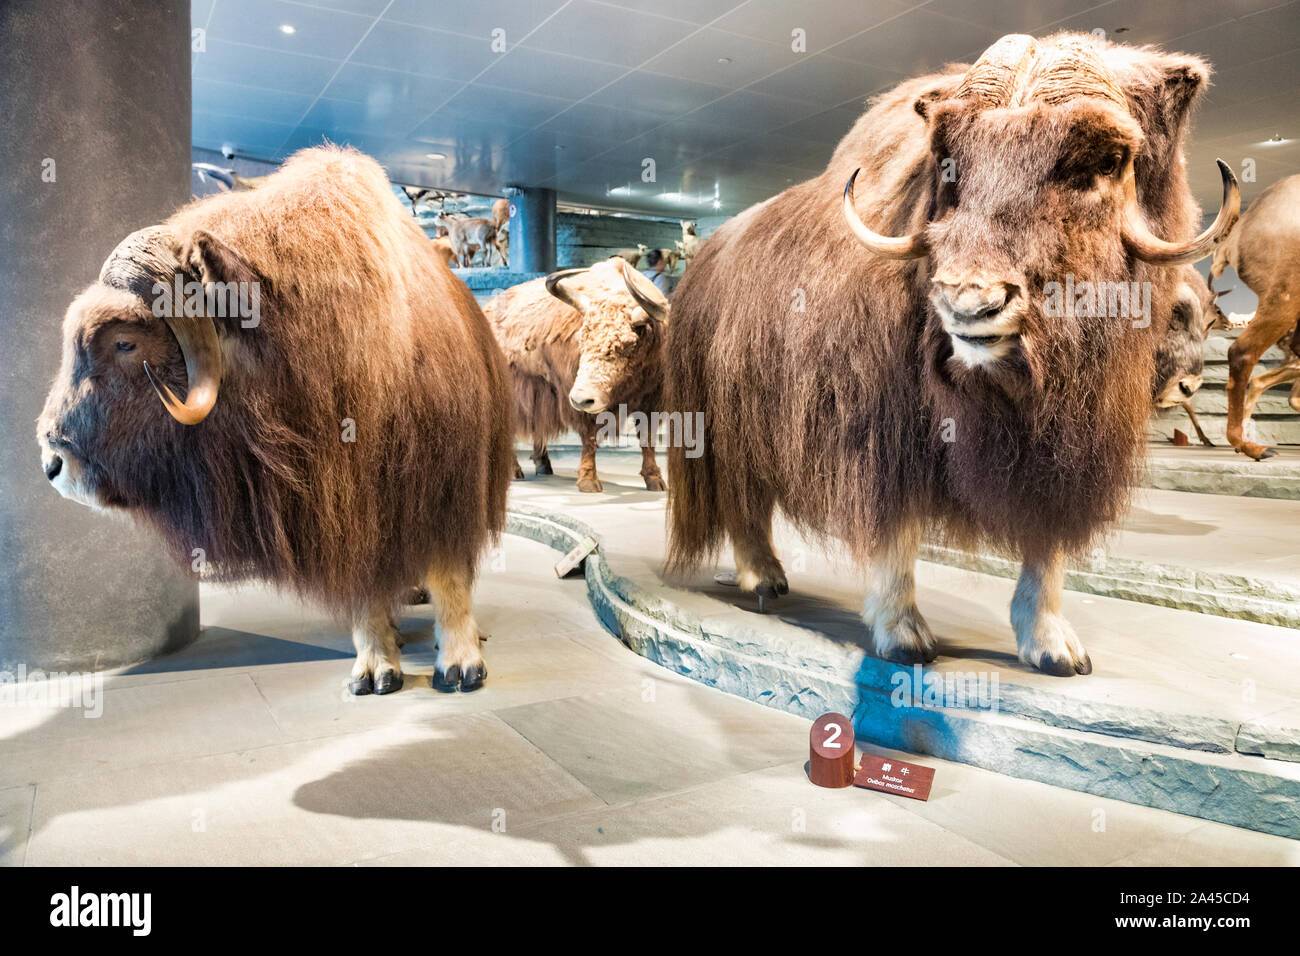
(388, 682)
(590, 485)
(360, 686)
(1051, 646)
(472, 677)
(519, 472)
(655, 483)
(447, 681)
(901, 637)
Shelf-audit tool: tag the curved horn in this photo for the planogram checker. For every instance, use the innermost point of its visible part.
(560, 292)
(197, 337)
(658, 311)
(1143, 244)
(901, 247)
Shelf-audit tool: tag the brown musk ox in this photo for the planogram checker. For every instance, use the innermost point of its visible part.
(928, 377)
(582, 342)
(1262, 251)
(350, 440)
(1180, 352)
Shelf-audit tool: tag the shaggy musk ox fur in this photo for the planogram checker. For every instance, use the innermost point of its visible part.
(874, 399)
(353, 443)
(588, 348)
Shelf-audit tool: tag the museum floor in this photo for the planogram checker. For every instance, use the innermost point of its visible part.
(246, 749)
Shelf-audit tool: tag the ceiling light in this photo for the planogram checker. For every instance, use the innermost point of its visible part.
(287, 29)
(435, 155)
(1275, 140)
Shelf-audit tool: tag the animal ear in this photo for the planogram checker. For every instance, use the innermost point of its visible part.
(211, 260)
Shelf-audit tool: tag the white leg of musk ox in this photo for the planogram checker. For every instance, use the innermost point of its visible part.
(757, 565)
(498, 43)
(458, 633)
(898, 631)
(1044, 637)
(379, 661)
(48, 173)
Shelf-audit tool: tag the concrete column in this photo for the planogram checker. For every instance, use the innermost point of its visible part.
(94, 143)
(532, 230)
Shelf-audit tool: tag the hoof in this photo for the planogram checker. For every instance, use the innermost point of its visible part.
(911, 655)
(779, 589)
(542, 468)
(1065, 666)
(590, 485)
(655, 483)
(1256, 451)
(473, 678)
(388, 682)
(448, 681)
(360, 686)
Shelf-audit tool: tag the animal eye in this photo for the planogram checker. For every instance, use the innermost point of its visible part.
(124, 346)
(1109, 165)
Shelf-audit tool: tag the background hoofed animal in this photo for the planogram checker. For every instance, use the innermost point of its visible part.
(936, 380)
(1263, 251)
(581, 342)
(1180, 352)
(349, 440)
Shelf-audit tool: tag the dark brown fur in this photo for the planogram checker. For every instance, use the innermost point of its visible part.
(360, 320)
(836, 415)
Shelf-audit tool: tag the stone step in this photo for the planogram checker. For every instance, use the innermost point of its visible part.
(1145, 728)
(1270, 430)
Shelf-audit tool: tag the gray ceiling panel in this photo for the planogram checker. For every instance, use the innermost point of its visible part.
(710, 89)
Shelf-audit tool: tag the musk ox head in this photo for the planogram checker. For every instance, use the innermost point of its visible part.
(622, 319)
(129, 341)
(1180, 354)
(1036, 156)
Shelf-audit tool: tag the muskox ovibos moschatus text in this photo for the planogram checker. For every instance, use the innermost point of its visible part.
(352, 442)
(582, 343)
(899, 374)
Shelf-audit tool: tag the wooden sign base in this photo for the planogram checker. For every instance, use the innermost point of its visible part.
(830, 751)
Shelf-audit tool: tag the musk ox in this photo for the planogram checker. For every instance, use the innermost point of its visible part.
(935, 380)
(348, 442)
(1180, 352)
(581, 342)
(1262, 251)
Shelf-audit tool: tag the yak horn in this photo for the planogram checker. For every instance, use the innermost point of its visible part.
(902, 247)
(560, 292)
(658, 311)
(1140, 241)
(197, 338)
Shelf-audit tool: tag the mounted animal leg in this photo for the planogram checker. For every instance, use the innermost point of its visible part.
(378, 668)
(459, 664)
(898, 631)
(650, 473)
(588, 480)
(1045, 639)
(1273, 318)
(541, 460)
(758, 569)
(1287, 372)
(1196, 423)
